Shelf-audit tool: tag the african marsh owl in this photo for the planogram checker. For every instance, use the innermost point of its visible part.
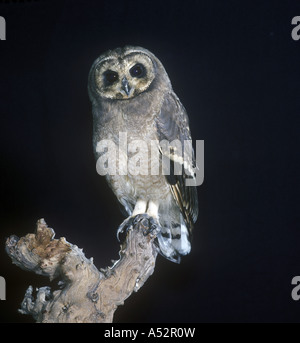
(132, 97)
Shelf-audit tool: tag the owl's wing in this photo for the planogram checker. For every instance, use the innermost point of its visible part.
(172, 125)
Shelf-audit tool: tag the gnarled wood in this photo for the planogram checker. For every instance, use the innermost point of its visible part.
(87, 295)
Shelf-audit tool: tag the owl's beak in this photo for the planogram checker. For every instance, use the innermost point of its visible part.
(125, 86)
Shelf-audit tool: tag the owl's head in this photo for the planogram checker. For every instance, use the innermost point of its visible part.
(124, 73)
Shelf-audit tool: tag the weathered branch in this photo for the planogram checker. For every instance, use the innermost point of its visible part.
(87, 295)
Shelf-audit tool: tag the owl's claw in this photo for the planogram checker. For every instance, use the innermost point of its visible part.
(124, 228)
(146, 223)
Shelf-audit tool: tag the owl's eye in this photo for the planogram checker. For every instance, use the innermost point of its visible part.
(137, 70)
(110, 77)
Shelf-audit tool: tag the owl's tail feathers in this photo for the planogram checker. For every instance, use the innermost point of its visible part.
(173, 241)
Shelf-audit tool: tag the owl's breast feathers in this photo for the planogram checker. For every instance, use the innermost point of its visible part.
(144, 119)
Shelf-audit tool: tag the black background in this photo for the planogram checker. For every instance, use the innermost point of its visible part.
(235, 67)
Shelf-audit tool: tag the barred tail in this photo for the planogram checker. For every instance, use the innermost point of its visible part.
(173, 241)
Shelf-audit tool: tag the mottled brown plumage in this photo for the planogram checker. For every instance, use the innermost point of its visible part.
(131, 93)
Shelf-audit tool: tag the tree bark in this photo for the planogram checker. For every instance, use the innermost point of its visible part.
(87, 295)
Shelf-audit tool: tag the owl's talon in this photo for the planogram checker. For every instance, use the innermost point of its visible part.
(124, 228)
(146, 223)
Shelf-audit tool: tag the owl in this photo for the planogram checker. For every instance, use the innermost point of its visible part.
(131, 94)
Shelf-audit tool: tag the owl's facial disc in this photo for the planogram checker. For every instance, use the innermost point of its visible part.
(124, 77)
